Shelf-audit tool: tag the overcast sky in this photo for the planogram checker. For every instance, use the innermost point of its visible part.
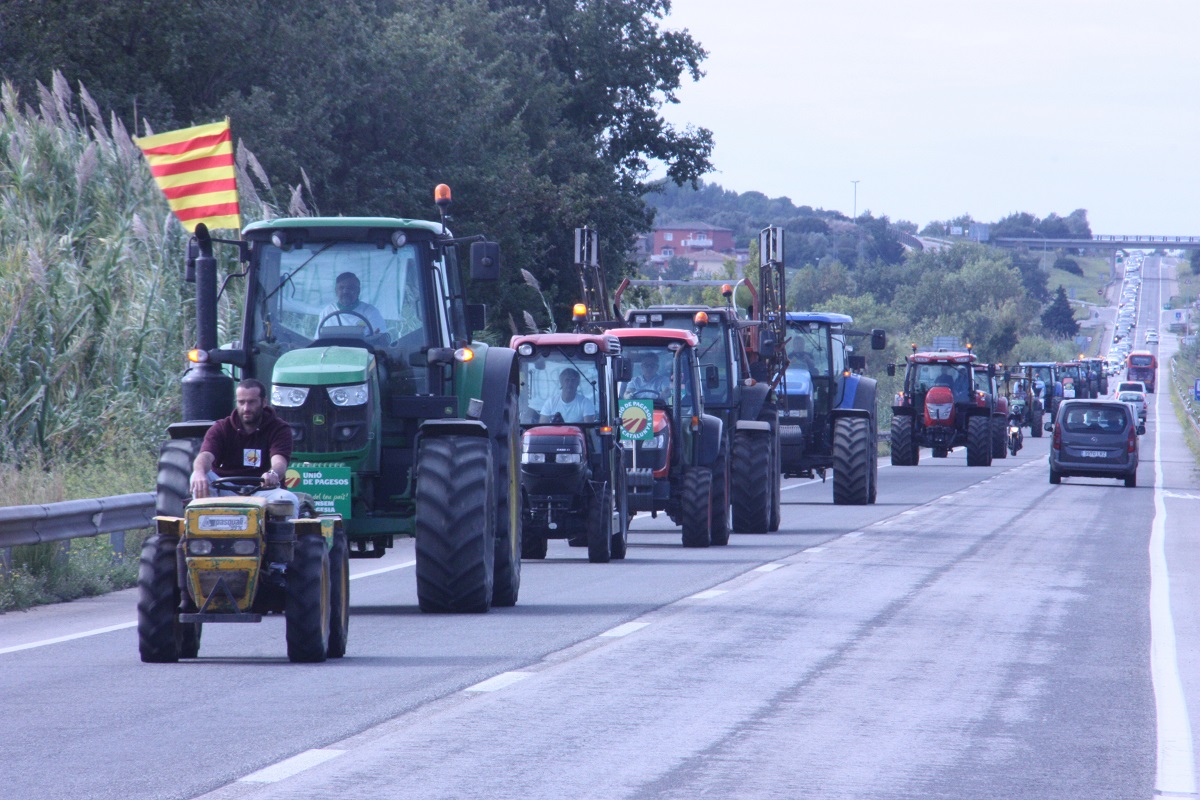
(942, 108)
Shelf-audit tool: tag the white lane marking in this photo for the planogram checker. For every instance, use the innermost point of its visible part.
(708, 594)
(798, 485)
(1177, 496)
(815, 550)
(1176, 773)
(625, 630)
(853, 535)
(382, 570)
(498, 682)
(769, 567)
(291, 766)
(18, 647)
(97, 631)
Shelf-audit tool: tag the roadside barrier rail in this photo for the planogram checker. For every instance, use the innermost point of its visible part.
(74, 519)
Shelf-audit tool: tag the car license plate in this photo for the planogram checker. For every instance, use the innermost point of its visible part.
(1093, 453)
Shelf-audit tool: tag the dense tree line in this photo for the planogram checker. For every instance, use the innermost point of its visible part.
(542, 115)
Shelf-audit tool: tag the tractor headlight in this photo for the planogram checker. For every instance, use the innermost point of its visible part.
(348, 395)
(200, 547)
(244, 547)
(657, 443)
(533, 458)
(568, 458)
(288, 396)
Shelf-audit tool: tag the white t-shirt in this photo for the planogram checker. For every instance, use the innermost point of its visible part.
(366, 309)
(575, 411)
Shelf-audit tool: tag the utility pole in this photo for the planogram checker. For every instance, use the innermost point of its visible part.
(855, 199)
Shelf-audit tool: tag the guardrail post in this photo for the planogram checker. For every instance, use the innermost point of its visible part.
(5, 561)
(117, 541)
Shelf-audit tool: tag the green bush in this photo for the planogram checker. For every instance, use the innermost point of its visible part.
(1068, 265)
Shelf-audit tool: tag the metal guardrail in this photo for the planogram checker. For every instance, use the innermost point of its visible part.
(74, 519)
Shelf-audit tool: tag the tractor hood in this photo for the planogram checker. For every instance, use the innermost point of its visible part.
(324, 366)
(799, 381)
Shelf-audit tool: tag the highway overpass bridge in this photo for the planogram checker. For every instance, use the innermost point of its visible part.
(1102, 242)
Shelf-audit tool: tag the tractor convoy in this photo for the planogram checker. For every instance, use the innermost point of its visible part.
(404, 425)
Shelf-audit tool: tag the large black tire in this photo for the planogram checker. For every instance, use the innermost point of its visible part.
(1035, 429)
(455, 525)
(1055, 476)
(1131, 480)
(720, 500)
(852, 450)
(620, 536)
(750, 474)
(160, 635)
(339, 595)
(307, 607)
(533, 545)
(696, 507)
(901, 438)
(979, 441)
(999, 437)
(600, 525)
(175, 459)
(874, 450)
(506, 457)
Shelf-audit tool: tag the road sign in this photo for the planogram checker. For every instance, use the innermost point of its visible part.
(1196, 389)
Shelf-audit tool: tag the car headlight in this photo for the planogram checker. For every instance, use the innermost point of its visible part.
(348, 395)
(288, 396)
(533, 458)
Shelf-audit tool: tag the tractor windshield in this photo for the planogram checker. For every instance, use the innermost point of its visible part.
(560, 386)
(808, 349)
(952, 376)
(341, 290)
(656, 370)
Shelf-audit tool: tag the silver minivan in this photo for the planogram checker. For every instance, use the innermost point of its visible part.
(1095, 439)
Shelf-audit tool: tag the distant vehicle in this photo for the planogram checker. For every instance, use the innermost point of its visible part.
(1137, 400)
(1142, 365)
(1151, 338)
(1095, 439)
(1131, 386)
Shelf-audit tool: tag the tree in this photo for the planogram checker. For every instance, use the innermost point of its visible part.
(1058, 319)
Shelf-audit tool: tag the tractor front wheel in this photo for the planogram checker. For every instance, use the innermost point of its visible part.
(339, 595)
(852, 451)
(506, 457)
(999, 437)
(904, 449)
(160, 634)
(720, 500)
(455, 524)
(600, 525)
(307, 608)
(751, 475)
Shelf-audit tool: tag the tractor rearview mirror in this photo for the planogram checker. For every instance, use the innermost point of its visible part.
(878, 339)
(485, 261)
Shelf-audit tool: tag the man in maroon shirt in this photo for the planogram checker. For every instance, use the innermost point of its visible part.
(245, 442)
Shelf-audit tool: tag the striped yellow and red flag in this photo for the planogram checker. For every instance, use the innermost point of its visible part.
(194, 169)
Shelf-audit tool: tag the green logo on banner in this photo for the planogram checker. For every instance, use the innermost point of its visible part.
(637, 420)
(329, 485)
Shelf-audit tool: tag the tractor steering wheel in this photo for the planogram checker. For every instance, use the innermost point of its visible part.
(646, 394)
(370, 328)
(243, 485)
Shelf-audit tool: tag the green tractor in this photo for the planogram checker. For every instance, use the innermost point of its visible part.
(402, 425)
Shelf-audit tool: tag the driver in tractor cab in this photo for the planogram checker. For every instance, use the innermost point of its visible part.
(800, 356)
(649, 381)
(348, 309)
(243, 443)
(568, 405)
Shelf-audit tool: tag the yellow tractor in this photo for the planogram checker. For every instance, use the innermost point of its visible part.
(237, 558)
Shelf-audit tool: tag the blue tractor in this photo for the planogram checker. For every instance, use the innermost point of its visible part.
(827, 415)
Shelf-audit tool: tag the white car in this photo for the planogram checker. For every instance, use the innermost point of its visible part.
(1137, 400)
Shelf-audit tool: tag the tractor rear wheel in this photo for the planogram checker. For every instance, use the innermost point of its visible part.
(600, 524)
(307, 608)
(751, 475)
(696, 507)
(175, 459)
(339, 594)
(720, 500)
(1035, 427)
(852, 461)
(770, 415)
(903, 446)
(506, 458)
(979, 442)
(999, 437)
(160, 634)
(455, 525)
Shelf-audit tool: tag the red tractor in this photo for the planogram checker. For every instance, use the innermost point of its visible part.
(572, 478)
(674, 452)
(942, 407)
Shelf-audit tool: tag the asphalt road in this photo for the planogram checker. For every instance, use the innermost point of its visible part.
(976, 634)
